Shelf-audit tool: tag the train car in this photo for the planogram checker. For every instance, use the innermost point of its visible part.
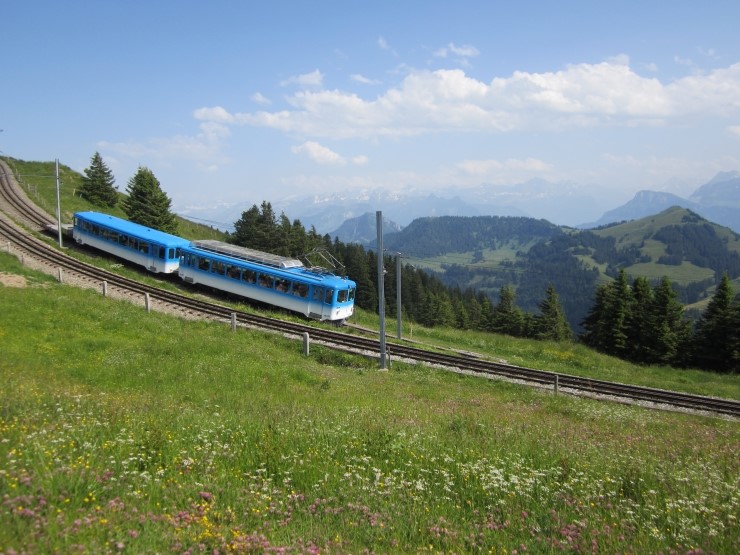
(268, 278)
(157, 251)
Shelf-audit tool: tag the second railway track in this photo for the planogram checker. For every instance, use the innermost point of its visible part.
(17, 205)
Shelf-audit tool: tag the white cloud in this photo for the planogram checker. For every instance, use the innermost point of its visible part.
(461, 53)
(259, 98)
(582, 95)
(364, 80)
(734, 129)
(383, 44)
(319, 153)
(216, 113)
(313, 79)
(360, 160)
(465, 51)
(650, 66)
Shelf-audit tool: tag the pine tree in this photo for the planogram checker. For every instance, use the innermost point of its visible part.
(266, 233)
(244, 228)
(147, 204)
(550, 323)
(716, 340)
(606, 325)
(670, 333)
(98, 183)
(506, 317)
(638, 320)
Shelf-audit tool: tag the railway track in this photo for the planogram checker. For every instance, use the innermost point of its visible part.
(25, 244)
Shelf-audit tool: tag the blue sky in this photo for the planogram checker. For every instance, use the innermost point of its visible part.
(238, 101)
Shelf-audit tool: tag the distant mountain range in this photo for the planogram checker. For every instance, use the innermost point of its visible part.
(717, 201)
(562, 203)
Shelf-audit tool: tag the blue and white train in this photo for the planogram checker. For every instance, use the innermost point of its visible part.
(157, 251)
(267, 278)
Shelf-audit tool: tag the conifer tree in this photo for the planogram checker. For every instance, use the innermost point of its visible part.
(147, 204)
(550, 323)
(668, 342)
(245, 227)
(606, 327)
(717, 340)
(506, 317)
(638, 320)
(98, 183)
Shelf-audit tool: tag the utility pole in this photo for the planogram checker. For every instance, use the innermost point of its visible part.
(381, 287)
(59, 207)
(399, 332)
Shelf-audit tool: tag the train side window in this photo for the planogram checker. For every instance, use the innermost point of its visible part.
(265, 281)
(232, 272)
(282, 285)
(329, 296)
(171, 253)
(300, 290)
(203, 263)
(144, 247)
(122, 240)
(161, 252)
(249, 276)
(218, 267)
(318, 293)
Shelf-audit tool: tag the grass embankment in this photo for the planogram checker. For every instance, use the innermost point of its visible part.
(122, 431)
(38, 179)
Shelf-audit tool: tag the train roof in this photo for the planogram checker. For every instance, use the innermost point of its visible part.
(250, 255)
(133, 229)
(286, 267)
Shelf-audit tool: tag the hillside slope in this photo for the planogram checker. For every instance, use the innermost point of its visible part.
(487, 253)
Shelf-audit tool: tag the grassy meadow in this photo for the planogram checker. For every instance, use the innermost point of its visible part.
(127, 432)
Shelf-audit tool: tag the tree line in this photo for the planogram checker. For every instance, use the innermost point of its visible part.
(647, 325)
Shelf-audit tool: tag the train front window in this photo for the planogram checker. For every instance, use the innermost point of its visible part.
(352, 294)
(342, 296)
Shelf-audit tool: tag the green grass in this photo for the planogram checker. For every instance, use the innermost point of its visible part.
(122, 431)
